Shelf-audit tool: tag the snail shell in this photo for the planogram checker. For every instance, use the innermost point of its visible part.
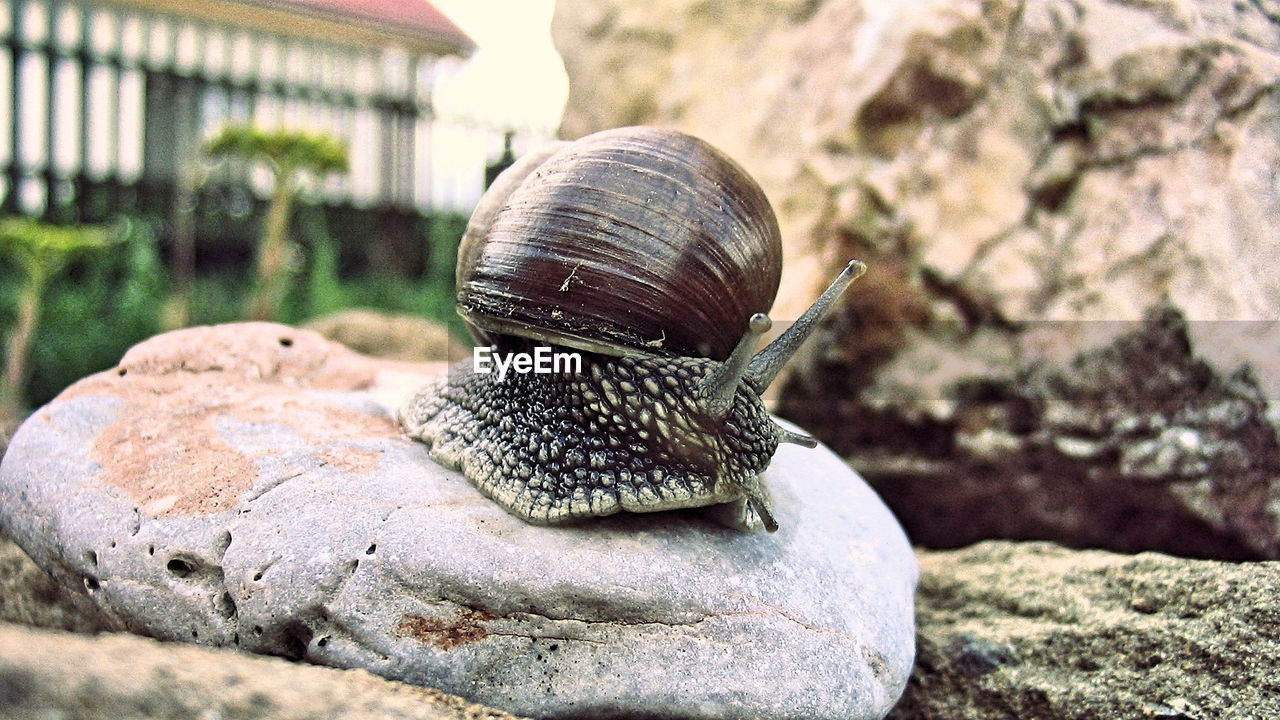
(657, 256)
(630, 239)
(493, 200)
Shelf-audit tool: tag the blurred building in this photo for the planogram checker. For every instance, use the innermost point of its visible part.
(112, 98)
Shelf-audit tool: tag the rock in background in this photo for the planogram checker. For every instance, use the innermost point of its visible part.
(392, 336)
(28, 596)
(1030, 630)
(1028, 182)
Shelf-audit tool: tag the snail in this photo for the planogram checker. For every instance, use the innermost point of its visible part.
(653, 257)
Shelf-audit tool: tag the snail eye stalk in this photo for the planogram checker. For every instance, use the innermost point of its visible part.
(795, 438)
(721, 386)
(765, 366)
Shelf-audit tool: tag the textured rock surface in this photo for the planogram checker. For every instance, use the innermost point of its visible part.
(1063, 159)
(1031, 630)
(1137, 444)
(58, 675)
(244, 485)
(1013, 173)
(1006, 630)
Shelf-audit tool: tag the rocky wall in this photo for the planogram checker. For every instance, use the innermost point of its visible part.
(1028, 182)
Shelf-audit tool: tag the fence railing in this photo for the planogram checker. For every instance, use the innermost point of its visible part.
(107, 101)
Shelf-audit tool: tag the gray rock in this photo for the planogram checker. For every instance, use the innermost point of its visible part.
(245, 485)
(1033, 630)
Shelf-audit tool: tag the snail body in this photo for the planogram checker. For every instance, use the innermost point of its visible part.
(653, 257)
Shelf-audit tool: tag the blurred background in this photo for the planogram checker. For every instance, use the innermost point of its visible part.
(1068, 208)
(111, 104)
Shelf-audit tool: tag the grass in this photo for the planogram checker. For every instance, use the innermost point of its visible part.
(101, 306)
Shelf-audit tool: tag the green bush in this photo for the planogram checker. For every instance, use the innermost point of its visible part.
(326, 290)
(103, 304)
(99, 306)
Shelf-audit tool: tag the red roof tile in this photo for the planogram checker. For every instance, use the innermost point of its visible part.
(414, 24)
(413, 17)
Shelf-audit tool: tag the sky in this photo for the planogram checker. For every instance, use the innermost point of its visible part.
(515, 77)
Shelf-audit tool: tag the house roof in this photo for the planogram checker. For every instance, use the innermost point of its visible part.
(415, 18)
(413, 24)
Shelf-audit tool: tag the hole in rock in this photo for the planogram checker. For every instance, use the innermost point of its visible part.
(290, 640)
(122, 372)
(226, 606)
(322, 641)
(286, 342)
(195, 635)
(180, 567)
(91, 557)
(91, 583)
(370, 550)
(258, 575)
(151, 549)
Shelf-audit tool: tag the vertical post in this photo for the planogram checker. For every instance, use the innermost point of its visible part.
(386, 181)
(50, 175)
(426, 117)
(81, 182)
(114, 181)
(187, 181)
(17, 9)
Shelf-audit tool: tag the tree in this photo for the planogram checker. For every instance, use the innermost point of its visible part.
(40, 252)
(288, 154)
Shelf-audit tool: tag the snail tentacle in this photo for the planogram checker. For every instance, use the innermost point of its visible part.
(795, 438)
(757, 497)
(765, 366)
(721, 386)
